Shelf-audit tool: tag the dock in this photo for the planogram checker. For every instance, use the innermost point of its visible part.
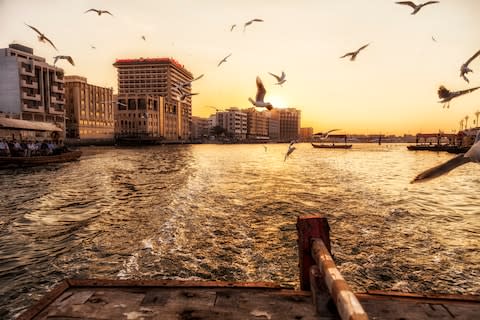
(323, 294)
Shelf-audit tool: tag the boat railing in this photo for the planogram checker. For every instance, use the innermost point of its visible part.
(319, 274)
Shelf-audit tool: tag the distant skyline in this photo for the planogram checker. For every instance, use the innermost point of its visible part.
(390, 88)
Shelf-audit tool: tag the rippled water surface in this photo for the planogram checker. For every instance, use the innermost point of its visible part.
(228, 212)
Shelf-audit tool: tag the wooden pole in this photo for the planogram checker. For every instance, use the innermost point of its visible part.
(309, 227)
(348, 306)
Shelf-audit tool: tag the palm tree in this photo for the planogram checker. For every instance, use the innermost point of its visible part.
(477, 113)
(466, 122)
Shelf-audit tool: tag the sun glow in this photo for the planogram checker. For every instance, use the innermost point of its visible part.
(277, 101)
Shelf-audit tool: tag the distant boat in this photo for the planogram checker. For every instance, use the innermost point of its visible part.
(9, 162)
(331, 146)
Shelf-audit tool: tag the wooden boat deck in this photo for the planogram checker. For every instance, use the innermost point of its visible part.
(131, 299)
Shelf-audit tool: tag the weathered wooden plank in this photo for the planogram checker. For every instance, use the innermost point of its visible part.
(309, 227)
(348, 306)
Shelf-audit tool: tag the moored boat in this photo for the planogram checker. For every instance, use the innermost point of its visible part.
(8, 162)
(332, 146)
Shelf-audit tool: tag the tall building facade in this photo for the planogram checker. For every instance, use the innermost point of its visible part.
(139, 116)
(257, 124)
(289, 123)
(89, 110)
(234, 122)
(30, 88)
(157, 77)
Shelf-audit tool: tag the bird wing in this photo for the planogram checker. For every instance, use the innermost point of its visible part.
(199, 77)
(35, 29)
(467, 91)
(107, 12)
(442, 169)
(90, 10)
(282, 77)
(232, 27)
(429, 2)
(257, 20)
(407, 3)
(55, 59)
(260, 90)
(471, 58)
(363, 47)
(328, 132)
(347, 54)
(70, 59)
(224, 60)
(50, 42)
(276, 77)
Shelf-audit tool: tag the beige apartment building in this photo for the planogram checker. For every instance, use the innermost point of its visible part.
(30, 88)
(156, 77)
(139, 116)
(89, 110)
(257, 124)
(200, 128)
(234, 122)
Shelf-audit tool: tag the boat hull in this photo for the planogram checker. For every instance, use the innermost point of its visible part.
(8, 162)
(332, 146)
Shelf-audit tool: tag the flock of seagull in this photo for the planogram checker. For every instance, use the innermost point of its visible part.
(472, 155)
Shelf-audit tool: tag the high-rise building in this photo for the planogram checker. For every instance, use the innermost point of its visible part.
(289, 123)
(30, 88)
(139, 116)
(200, 128)
(257, 124)
(89, 110)
(157, 77)
(234, 122)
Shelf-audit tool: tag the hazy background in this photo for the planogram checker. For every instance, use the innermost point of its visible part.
(390, 88)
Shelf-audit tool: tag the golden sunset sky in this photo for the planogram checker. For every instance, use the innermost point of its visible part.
(391, 88)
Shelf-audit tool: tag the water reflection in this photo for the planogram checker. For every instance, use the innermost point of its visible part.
(228, 212)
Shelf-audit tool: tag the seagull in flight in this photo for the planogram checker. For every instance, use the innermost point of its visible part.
(41, 36)
(232, 27)
(250, 22)
(291, 148)
(464, 69)
(447, 95)
(416, 7)
(324, 136)
(93, 47)
(353, 54)
(223, 60)
(68, 58)
(99, 12)
(259, 103)
(183, 85)
(185, 95)
(472, 155)
(144, 39)
(280, 79)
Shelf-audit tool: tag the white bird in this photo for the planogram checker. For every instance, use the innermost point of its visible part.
(447, 95)
(464, 69)
(223, 60)
(68, 58)
(183, 85)
(265, 147)
(433, 38)
(250, 22)
(291, 148)
(232, 27)
(353, 54)
(325, 135)
(187, 94)
(259, 103)
(41, 36)
(416, 7)
(280, 79)
(472, 155)
(99, 12)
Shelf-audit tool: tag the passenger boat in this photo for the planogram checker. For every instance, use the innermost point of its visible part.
(324, 294)
(332, 146)
(9, 162)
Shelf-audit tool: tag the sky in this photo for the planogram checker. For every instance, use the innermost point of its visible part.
(391, 88)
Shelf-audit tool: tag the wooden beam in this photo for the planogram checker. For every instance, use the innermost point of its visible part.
(309, 227)
(348, 306)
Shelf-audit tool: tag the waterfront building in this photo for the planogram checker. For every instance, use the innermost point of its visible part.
(257, 124)
(140, 116)
(306, 134)
(289, 123)
(234, 122)
(89, 110)
(273, 124)
(200, 128)
(30, 88)
(157, 77)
